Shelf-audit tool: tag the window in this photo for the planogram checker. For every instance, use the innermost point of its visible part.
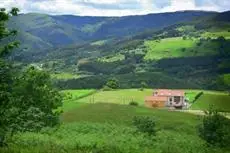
(170, 99)
(177, 99)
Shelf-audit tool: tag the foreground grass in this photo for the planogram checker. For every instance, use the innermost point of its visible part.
(123, 115)
(107, 128)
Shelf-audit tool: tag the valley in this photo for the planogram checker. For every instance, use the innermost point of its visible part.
(78, 84)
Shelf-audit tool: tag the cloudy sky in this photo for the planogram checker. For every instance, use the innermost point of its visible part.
(113, 7)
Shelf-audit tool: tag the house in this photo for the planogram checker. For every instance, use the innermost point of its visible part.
(167, 98)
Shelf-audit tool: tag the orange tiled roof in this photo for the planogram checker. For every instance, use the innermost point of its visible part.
(156, 98)
(167, 92)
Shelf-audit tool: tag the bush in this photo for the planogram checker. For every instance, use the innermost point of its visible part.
(106, 88)
(198, 96)
(215, 129)
(133, 103)
(145, 124)
(113, 83)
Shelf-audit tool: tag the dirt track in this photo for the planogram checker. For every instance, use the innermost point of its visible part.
(200, 112)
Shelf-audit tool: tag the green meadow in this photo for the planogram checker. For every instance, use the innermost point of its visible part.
(123, 96)
(179, 47)
(64, 76)
(221, 102)
(170, 47)
(217, 99)
(102, 122)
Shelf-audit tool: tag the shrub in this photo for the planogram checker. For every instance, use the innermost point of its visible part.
(113, 83)
(215, 129)
(143, 85)
(141, 89)
(106, 88)
(145, 124)
(133, 103)
(198, 96)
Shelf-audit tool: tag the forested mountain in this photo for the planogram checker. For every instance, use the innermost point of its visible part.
(169, 50)
(40, 31)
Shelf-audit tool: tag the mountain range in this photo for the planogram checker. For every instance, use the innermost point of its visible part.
(189, 47)
(41, 31)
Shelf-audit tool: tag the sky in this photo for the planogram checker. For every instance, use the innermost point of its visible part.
(113, 7)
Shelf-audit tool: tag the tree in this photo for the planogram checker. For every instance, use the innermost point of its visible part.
(145, 124)
(6, 77)
(215, 129)
(28, 101)
(143, 85)
(112, 83)
(35, 100)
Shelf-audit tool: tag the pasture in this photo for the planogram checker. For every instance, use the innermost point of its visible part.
(179, 47)
(108, 128)
(118, 96)
(73, 95)
(64, 76)
(220, 102)
(170, 47)
(217, 99)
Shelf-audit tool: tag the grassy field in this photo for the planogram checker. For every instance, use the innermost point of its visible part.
(64, 76)
(108, 128)
(220, 102)
(73, 96)
(114, 58)
(178, 47)
(217, 34)
(123, 114)
(191, 94)
(118, 96)
(170, 47)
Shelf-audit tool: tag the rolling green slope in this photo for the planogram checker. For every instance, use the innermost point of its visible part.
(218, 101)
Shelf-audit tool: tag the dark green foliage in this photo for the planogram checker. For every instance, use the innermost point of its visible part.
(144, 84)
(215, 129)
(41, 32)
(126, 81)
(198, 96)
(6, 74)
(35, 101)
(145, 124)
(28, 101)
(113, 83)
(133, 103)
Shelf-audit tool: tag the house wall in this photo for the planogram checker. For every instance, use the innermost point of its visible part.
(172, 103)
(155, 104)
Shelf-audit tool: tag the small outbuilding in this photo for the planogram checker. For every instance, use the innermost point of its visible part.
(166, 98)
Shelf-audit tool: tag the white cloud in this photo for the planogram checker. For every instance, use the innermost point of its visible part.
(113, 7)
(178, 5)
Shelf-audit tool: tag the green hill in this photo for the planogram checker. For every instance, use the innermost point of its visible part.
(89, 127)
(174, 53)
(218, 101)
(67, 29)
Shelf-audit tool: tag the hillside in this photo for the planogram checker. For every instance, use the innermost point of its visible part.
(175, 53)
(40, 29)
